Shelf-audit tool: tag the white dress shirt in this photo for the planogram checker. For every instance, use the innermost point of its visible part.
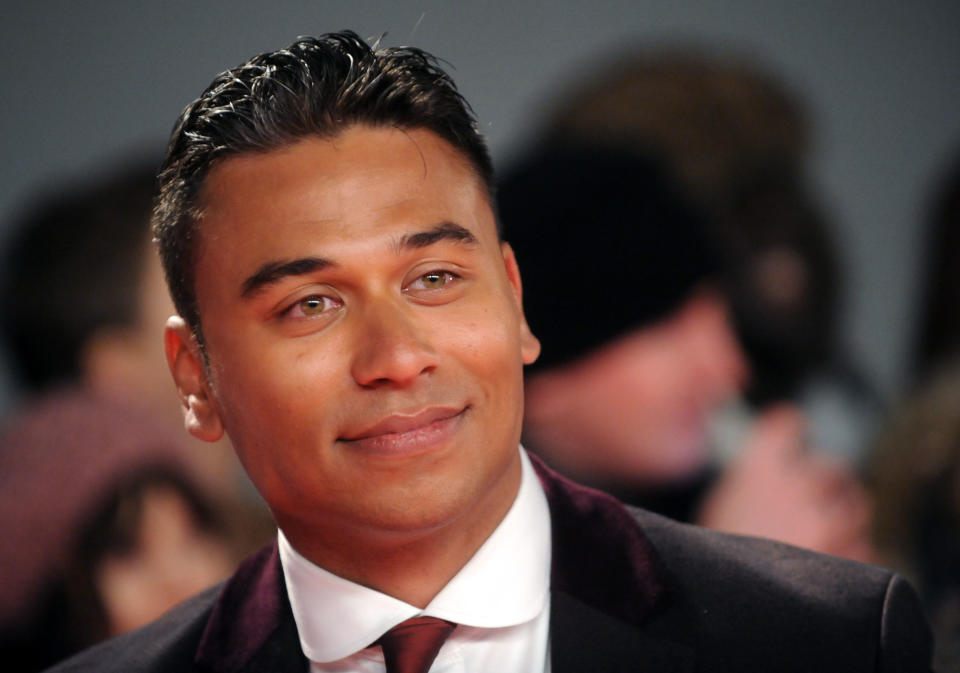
(500, 600)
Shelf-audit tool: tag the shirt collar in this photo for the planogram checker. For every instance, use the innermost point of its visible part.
(505, 583)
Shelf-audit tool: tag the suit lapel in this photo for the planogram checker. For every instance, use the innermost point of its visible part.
(280, 653)
(252, 628)
(609, 588)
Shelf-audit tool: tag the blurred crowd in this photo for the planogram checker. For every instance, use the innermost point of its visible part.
(110, 512)
(684, 281)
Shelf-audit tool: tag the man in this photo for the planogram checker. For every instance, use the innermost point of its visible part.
(349, 316)
(639, 347)
(82, 301)
(85, 247)
(738, 140)
(638, 390)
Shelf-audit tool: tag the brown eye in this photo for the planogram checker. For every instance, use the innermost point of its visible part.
(312, 306)
(434, 280)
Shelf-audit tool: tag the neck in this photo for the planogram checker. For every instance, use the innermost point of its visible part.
(411, 566)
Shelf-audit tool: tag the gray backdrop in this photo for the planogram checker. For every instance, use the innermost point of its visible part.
(83, 81)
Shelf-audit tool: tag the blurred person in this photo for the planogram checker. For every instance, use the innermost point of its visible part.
(783, 277)
(82, 310)
(712, 118)
(77, 282)
(914, 478)
(914, 471)
(349, 314)
(626, 292)
(738, 140)
(937, 342)
(83, 302)
(104, 527)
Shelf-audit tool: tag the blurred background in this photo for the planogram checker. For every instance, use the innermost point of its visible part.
(821, 139)
(880, 83)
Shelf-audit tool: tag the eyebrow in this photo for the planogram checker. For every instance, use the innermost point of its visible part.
(273, 272)
(443, 231)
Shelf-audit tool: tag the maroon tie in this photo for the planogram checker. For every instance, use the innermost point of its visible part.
(411, 646)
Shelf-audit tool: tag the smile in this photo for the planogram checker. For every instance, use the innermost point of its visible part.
(402, 435)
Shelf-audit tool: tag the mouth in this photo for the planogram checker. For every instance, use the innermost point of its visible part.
(405, 435)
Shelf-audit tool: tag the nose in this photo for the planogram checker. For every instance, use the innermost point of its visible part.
(391, 347)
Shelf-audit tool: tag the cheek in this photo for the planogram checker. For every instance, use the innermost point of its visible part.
(483, 350)
(275, 398)
(489, 346)
(264, 378)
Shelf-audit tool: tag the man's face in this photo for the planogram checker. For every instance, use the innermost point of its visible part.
(660, 386)
(643, 401)
(365, 335)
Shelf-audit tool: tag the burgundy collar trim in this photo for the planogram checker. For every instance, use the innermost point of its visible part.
(600, 555)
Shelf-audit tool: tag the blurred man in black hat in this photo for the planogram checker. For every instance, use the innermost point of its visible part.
(641, 362)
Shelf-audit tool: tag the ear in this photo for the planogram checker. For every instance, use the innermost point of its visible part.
(529, 344)
(200, 414)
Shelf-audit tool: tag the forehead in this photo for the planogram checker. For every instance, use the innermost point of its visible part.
(351, 184)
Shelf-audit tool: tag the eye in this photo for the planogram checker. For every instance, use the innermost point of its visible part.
(433, 280)
(312, 306)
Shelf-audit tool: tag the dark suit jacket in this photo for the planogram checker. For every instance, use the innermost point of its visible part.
(631, 591)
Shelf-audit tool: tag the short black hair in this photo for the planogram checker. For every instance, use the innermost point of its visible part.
(72, 266)
(317, 86)
(607, 242)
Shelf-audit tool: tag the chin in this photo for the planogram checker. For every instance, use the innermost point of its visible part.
(425, 509)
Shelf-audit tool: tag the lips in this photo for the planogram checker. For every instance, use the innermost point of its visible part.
(402, 434)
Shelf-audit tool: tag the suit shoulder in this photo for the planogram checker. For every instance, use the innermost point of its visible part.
(731, 588)
(167, 644)
(692, 552)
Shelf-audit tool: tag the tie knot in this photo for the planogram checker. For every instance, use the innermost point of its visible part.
(411, 646)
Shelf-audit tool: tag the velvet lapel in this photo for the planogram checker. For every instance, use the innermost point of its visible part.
(252, 628)
(608, 586)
